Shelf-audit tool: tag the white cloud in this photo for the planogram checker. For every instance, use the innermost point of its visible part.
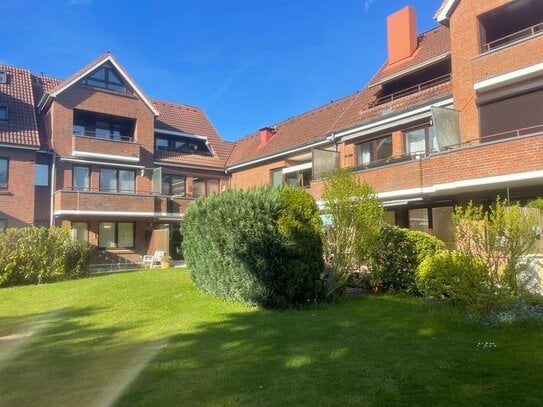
(367, 5)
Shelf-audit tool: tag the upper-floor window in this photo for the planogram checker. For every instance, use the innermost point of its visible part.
(204, 187)
(182, 144)
(173, 184)
(106, 78)
(80, 178)
(4, 167)
(420, 141)
(292, 176)
(276, 177)
(510, 23)
(374, 150)
(42, 175)
(114, 180)
(103, 126)
(4, 113)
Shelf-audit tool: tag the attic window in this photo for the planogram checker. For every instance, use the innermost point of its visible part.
(3, 77)
(106, 78)
(4, 113)
(182, 144)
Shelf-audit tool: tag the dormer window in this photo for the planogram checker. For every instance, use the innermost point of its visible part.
(4, 113)
(185, 144)
(3, 77)
(106, 78)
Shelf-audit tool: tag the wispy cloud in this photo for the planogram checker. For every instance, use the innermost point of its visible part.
(367, 5)
(80, 2)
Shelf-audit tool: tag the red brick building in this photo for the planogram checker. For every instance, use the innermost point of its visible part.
(453, 115)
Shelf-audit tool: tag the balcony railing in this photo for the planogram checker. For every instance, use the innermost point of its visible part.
(512, 38)
(527, 131)
(390, 160)
(103, 136)
(413, 89)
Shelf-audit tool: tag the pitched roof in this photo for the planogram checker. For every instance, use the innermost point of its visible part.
(87, 69)
(17, 95)
(42, 84)
(192, 120)
(433, 45)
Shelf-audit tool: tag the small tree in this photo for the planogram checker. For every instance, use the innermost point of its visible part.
(500, 237)
(356, 216)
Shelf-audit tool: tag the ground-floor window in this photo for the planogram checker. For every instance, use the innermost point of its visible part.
(116, 235)
(442, 223)
(418, 219)
(80, 231)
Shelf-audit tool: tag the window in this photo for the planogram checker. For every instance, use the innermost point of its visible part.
(182, 144)
(116, 235)
(4, 113)
(106, 78)
(3, 225)
(374, 150)
(80, 231)
(276, 177)
(418, 219)
(173, 185)
(42, 175)
(420, 141)
(107, 127)
(3, 77)
(4, 165)
(113, 180)
(204, 187)
(300, 178)
(81, 178)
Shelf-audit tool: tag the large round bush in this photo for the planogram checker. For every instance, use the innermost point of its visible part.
(258, 246)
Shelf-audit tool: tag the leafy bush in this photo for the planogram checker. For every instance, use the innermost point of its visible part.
(259, 246)
(397, 256)
(40, 255)
(456, 277)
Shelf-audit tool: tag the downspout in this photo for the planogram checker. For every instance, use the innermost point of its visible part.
(53, 187)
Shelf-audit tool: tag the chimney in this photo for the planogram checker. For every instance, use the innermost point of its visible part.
(266, 133)
(402, 34)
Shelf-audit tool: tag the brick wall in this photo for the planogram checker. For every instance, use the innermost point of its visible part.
(255, 176)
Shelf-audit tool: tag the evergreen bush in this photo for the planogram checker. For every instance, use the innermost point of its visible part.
(258, 246)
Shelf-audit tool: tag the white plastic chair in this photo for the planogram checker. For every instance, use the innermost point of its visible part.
(151, 260)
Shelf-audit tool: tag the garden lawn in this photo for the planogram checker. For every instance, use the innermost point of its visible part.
(151, 338)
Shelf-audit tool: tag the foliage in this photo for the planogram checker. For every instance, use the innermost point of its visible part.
(459, 278)
(356, 216)
(501, 237)
(259, 246)
(536, 204)
(39, 255)
(397, 256)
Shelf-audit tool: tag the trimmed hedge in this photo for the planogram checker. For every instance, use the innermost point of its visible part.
(39, 255)
(258, 246)
(397, 256)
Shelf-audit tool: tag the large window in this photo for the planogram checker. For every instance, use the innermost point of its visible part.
(4, 166)
(103, 126)
(4, 112)
(116, 235)
(42, 175)
(204, 187)
(80, 231)
(374, 150)
(182, 144)
(114, 180)
(106, 78)
(81, 178)
(420, 141)
(173, 184)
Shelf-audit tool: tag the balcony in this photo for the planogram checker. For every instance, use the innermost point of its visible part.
(97, 203)
(514, 38)
(412, 90)
(89, 144)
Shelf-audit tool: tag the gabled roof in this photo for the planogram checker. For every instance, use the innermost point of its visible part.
(434, 45)
(445, 11)
(21, 128)
(86, 70)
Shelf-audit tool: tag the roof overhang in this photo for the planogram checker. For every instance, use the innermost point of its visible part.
(444, 13)
(108, 58)
(20, 146)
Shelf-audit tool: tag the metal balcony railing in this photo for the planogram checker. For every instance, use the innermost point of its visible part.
(104, 136)
(413, 89)
(512, 38)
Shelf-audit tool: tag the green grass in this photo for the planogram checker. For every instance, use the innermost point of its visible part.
(150, 338)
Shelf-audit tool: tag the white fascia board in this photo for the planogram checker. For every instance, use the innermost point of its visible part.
(509, 78)
(294, 168)
(180, 133)
(105, 156)
(278, 155)
(110, 59)
(400, 119)
(195, 167)
(74, 160)
(445, 12)
(19, 147)
(117, 214)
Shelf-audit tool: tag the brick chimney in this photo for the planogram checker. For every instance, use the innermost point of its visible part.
(402, 34)
(266, 134)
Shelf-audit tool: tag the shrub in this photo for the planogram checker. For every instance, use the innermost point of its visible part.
(456, 277)
(39, 255)
(397, 256)
(259, 246)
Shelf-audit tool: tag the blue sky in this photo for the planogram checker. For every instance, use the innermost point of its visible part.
(248, 63)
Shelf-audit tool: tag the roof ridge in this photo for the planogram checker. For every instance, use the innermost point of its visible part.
(175, 103)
